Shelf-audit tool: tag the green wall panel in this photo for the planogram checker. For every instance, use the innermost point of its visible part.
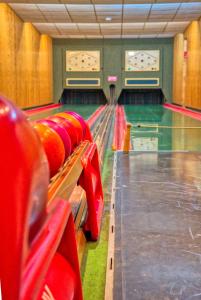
(113, 62)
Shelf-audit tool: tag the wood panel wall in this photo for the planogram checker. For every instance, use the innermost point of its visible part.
(187, 72)
(193, 76)
(178, 68)
(25, 61)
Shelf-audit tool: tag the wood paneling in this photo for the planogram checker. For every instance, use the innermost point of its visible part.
(187, 88)
(193, 79)
(185, 139)
(178, 68)
(25, 61)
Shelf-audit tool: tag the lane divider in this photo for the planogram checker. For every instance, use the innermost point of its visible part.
(187, 112)
(122, 131)
(39, 109)
(119, 128)
(93, 118)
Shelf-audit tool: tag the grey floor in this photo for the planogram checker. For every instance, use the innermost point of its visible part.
(158, 226)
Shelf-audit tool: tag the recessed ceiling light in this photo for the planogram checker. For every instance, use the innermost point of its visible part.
(108, 19)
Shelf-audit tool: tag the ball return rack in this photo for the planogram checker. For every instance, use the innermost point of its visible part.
(39, 260)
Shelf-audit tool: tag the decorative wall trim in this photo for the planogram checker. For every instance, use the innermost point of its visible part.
(83, 82)
(142, 82)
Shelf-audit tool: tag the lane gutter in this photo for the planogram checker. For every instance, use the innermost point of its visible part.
(111, 241)
(32, 111)
(119, 128)
(182, 110)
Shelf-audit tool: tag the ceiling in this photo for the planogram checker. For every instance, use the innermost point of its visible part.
(99, 19)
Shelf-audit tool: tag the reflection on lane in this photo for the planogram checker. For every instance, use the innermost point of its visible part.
(156, 139)
(84, 110)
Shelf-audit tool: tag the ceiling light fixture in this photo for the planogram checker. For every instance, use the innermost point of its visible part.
(108, 19)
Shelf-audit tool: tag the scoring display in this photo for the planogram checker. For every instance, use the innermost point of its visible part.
(142, 60)
(83, 61)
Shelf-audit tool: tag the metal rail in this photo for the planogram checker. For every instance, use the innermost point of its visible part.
(164, 126)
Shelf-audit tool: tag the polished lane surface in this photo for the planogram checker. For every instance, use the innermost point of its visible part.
(157, 139)
(158, 226)
(84, 110)
(158, 209)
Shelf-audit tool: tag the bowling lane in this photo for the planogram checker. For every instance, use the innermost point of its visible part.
(84, 110)
(158, 206)
(157, 226)
(157, 139)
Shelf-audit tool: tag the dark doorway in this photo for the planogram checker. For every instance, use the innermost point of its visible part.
(141, 96)
(112, 94)
(84, 96)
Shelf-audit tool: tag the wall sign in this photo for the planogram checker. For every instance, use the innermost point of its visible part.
(112, 78)
(82, 61)
(142, 60)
